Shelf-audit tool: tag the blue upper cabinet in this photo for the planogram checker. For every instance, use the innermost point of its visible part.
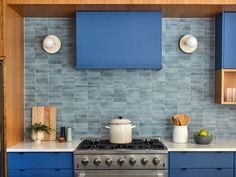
(225, 25)
(118, 40)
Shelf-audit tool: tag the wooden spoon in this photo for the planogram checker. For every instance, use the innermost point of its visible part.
(180, 119)
(174, 121)
(184, 119)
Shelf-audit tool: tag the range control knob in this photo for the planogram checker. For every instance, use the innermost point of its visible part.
(121, 161)
(97, 161)
(85, 161)
(109, 161)
(132, 161)
(144, 161)
(156, 161)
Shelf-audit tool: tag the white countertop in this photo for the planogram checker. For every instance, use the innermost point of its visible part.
(53, 146)
(44, 146)
(215, 145)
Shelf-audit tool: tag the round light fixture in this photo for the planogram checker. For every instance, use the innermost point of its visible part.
(188, 43)
(51, 44)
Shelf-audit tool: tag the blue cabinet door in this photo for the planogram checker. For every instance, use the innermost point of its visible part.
(229, 40)
(219, 38)
(201, 160)
(201, 172)
(225, 37)
(40, 160)
(41, 173)
(118, 40)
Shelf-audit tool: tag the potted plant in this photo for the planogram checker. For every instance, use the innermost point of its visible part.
(37, 131)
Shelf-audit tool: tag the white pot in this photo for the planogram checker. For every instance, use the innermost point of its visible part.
(180, 134)
(37, 137)
(120, 131)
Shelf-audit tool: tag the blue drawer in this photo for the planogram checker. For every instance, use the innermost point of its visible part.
(41, 173)
(201, 173)
(235, 161)
(45, 160)
(201, 160)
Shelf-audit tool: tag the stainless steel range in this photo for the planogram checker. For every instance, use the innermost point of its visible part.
(144, 157)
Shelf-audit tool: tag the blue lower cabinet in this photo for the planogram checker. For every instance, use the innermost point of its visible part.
(48, 160)
(201, 172)
(201, 160)
(40, 164)
(41, 173)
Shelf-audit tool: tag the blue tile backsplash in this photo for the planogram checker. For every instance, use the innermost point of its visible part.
(87, 100)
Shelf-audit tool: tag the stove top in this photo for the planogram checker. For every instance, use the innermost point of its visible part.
(136, 144)
(141, 153)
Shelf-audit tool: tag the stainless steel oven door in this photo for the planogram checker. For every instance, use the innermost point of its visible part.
(121, 173)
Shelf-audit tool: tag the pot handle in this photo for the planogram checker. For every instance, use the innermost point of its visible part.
(107, 127)
(133, 126)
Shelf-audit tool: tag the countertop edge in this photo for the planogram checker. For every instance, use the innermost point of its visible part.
(226, 145)
(202, 150)
(42, 150)
(45, 146)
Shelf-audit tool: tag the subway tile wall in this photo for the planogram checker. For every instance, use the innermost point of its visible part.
(87, 100)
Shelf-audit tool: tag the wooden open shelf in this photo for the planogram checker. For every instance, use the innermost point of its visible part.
(170, 8)
(225, 78)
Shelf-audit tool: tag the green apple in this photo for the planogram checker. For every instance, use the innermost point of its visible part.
(203, 132)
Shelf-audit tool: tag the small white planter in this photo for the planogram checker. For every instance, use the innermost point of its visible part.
(37, 137)
(180, 134)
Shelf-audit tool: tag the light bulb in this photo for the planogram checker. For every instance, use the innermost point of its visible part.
(191, 41)
(49, 42)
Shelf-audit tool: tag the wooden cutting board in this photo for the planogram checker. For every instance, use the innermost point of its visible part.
(47, 116)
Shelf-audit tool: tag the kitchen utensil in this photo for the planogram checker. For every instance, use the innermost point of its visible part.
(175, 121)
(180, 134)
(180, 119)
(184, 119)
(120, 131)
(46, 115)
(203, 139)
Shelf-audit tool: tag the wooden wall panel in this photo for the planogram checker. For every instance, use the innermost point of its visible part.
(170, 8)
(219, 87)
(68, 10)
(1, 27)
(14, 74)
(213, 2)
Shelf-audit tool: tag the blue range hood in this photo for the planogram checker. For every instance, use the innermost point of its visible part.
(118, 40)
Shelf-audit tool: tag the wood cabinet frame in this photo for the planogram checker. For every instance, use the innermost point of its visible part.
(224, 78)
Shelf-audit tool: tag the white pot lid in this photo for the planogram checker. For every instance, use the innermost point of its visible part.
(120, 121)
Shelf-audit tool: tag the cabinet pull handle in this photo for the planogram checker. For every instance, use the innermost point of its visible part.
(57, 169)
(22, 169)
(219, 169)
(183, 168)
(56, 152)
(21, 153)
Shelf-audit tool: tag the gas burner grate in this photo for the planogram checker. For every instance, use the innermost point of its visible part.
(136, 144)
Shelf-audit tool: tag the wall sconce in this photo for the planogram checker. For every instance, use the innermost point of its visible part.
(188, 43)
(51, 44)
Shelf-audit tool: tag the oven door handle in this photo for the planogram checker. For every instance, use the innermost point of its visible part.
(80, 174)
(160, 174)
